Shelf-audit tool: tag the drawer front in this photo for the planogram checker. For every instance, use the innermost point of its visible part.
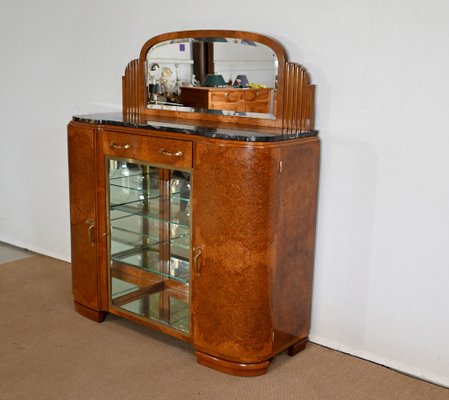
(221, 96)
(173, 152)
(235, 106)
(257, 106)
(258, 95)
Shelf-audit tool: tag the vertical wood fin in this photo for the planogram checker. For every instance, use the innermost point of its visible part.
(299, 99)
(131, 88)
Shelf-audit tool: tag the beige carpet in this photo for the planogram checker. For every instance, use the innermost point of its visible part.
(48, 351)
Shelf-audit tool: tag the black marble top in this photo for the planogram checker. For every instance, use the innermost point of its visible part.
(242, 133)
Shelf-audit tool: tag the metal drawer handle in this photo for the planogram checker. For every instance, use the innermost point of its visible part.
(168, 153)
(119, 146)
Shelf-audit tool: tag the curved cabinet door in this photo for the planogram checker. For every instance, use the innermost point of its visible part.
(85, 271)
(234, 242)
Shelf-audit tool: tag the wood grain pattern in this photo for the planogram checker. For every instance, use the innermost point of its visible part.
(255, 224)
(234, 223)
(176, 153)
(82, 178)
(296, 219)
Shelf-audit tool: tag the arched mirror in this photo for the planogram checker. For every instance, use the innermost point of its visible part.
(230, 76)
(217, 75)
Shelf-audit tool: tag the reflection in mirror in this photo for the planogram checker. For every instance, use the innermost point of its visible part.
(224, 76)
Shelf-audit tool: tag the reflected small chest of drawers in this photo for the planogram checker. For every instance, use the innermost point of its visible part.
(227, 98)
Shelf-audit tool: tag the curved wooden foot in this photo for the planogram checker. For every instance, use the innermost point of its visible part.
(94, 315)
(232, 368)
(297, 347)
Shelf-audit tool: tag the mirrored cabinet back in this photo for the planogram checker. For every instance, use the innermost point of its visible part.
(193, 210)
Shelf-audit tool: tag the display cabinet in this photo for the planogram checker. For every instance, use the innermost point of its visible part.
(199, 225)
(150, 241)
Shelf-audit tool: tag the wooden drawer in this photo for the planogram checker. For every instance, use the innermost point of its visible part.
(172, 152)
(257, 95)
(223, 96)
(257, 106)
(234, 106)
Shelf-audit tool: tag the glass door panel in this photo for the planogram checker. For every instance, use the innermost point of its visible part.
(149, 220)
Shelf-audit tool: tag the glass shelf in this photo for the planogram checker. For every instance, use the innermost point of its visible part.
(121, 288)
(149, 260)
(179, 215)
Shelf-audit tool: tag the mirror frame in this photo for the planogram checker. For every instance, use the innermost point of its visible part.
(294, 109)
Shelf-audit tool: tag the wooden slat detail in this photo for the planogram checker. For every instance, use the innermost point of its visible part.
(299, 94)
(131, 87)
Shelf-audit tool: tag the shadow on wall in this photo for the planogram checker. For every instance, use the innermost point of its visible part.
(343, 261)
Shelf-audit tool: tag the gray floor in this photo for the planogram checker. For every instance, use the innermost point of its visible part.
(11, 253)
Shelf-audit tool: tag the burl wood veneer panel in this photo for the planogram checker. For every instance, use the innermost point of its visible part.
(81, 148)
(233, 201)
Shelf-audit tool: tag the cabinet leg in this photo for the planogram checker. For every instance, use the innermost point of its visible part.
(232, 368)
(94, 315)
(297, 347)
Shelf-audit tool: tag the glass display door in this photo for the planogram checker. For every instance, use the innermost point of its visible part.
(149, 247)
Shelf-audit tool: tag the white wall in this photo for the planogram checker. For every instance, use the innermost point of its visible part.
(382, 74)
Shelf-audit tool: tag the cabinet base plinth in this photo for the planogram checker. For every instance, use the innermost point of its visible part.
(94, 315)
(297, 347)
(232, 368)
